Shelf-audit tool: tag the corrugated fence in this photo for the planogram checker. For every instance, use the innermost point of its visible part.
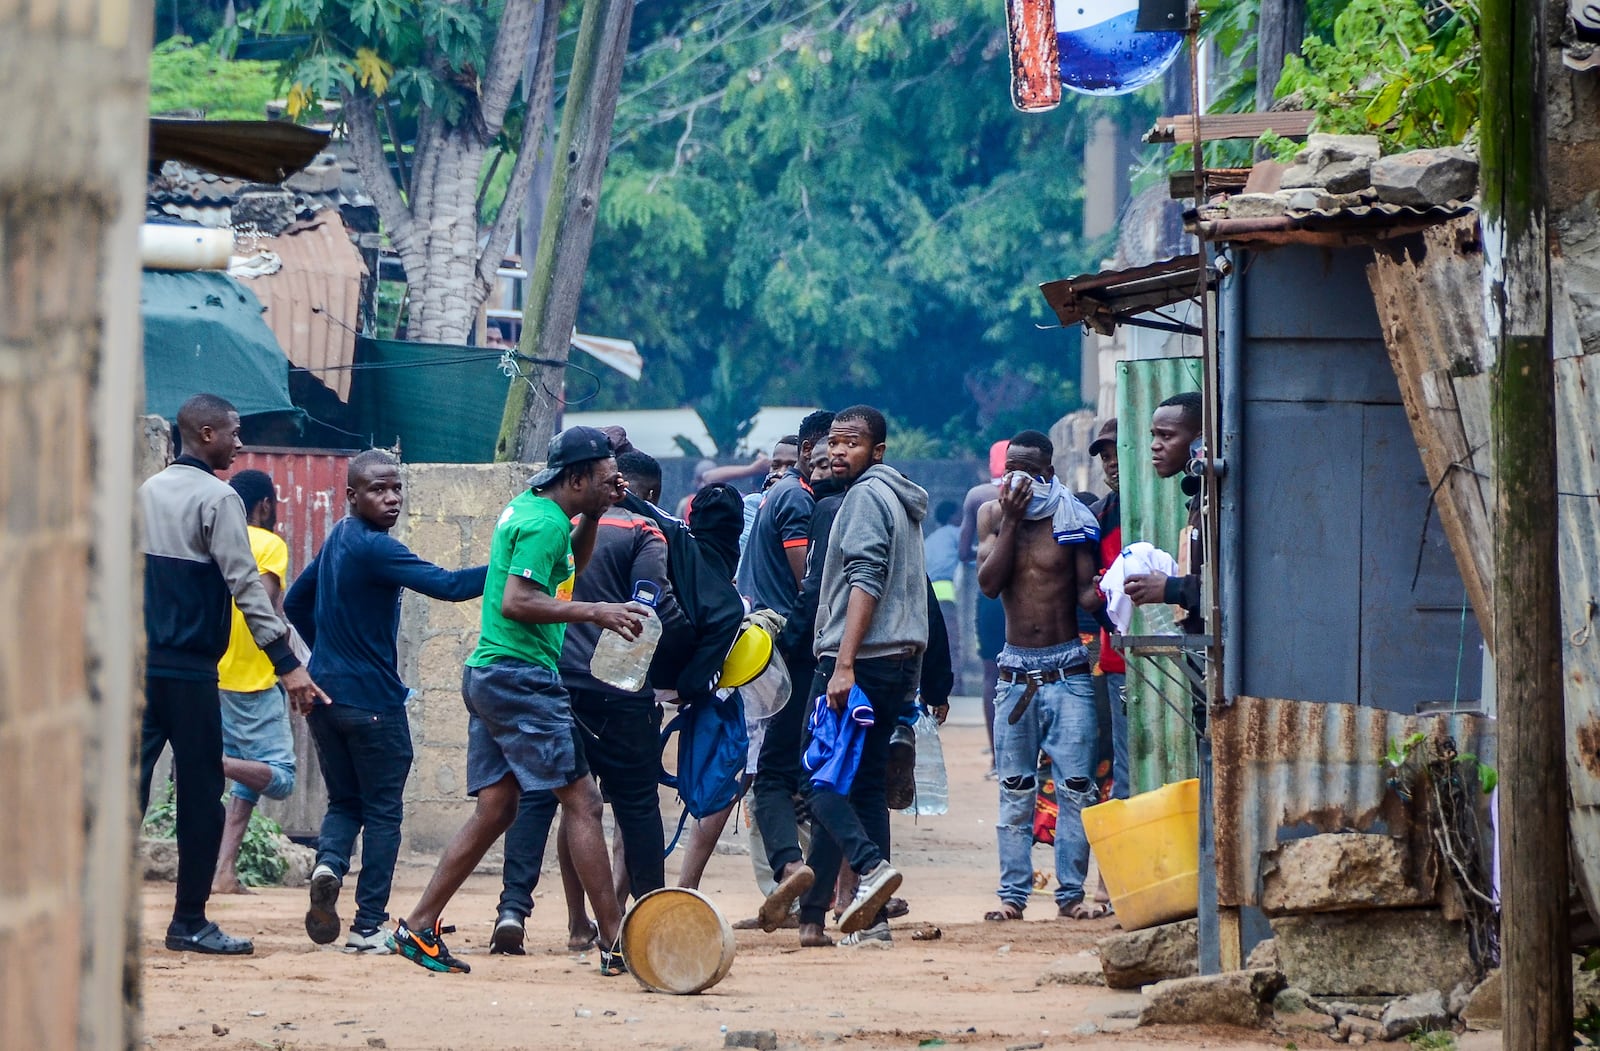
(1160, 741)
(1286, 769)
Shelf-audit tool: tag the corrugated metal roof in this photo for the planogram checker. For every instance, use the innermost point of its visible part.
(1345, 225)
(1102, 300)
(1285, 769)
(1161, 746)
(313, 303)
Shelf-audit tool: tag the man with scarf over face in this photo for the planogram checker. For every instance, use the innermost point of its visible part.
(1038, 554)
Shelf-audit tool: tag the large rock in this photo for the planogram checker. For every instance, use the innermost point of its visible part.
(1257, 205)
(1426, 177)
(1386, 952)
(1153, 954)
(1241, 998)
(1485, 1004)
(159, 858)
(1417, 1013)
(1329, 873)
(1337, 163)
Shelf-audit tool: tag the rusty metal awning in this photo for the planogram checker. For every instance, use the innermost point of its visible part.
(1117, 297)
(260, 150)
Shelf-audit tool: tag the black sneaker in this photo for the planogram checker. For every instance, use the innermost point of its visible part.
(322, 918)
(611, 961)
(509, 931)
(427, 948)
(901, 776)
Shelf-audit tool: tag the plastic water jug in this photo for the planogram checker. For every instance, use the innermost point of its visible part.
(623, 664)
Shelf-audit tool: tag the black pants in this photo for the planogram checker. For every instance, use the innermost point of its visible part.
(187, 714)
(778, 778)
(855, 828)
(622, 742)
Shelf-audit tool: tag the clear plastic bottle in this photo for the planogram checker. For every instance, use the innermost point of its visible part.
(623, 664)
(933, 789)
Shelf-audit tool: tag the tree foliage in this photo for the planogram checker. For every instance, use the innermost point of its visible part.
(185, 77)
(822, 204)
(1405, 70)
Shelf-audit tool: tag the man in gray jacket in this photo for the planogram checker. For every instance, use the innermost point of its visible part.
(196, 559)
(872, 628)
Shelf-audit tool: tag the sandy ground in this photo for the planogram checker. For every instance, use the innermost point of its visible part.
(974, 987)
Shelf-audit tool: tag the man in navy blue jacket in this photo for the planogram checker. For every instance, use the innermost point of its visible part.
(346, 606)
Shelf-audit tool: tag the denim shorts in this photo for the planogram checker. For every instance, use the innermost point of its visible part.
(519, 722)
(255, 727)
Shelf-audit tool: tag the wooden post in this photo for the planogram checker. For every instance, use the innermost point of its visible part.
(567, 233)
(1536, 961)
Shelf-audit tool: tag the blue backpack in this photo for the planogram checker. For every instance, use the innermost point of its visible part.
(713, 747)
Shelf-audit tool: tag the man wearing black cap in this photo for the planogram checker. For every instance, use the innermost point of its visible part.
(1108, 510)
(519, 725)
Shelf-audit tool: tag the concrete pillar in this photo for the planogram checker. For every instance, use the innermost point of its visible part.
(72, 165)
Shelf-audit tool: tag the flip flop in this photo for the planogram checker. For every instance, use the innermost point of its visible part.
(575, 944)
(1006, 913)
(776, 908)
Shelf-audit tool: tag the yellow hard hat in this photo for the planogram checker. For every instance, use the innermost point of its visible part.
(748, 658)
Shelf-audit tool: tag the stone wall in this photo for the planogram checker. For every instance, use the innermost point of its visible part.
(72, 164)
(449, 518)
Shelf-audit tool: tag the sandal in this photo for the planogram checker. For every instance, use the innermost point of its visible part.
(1006, 913)
(211, 941)
(1084, 910)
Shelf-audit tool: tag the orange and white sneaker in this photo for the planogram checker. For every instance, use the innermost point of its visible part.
(427, 948)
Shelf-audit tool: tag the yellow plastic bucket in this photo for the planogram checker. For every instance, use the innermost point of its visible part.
(1149, 853)
(677, 941)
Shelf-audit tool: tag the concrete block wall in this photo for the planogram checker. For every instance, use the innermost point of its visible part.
(449, 517)
(72, 163)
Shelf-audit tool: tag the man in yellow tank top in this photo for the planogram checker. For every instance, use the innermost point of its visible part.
(257, 744)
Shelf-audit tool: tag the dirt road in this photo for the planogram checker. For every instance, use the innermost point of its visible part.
(976, 986)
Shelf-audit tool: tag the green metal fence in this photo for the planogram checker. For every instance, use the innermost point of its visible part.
(1161, 747)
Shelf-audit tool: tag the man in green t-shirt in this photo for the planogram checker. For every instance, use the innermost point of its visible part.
(519, 728)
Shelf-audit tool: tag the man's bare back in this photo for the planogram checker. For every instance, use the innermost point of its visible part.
(1040, 582)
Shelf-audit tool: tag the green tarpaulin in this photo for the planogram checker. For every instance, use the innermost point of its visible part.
(441, 404)
(203, 332)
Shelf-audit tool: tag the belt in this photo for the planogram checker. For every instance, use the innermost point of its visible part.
(1035, 679)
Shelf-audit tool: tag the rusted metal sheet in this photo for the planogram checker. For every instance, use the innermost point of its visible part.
(310, 495)
(310, 500)
(313, 303)
(1285, 769)
(1035, 55)
(1443, 358)
(1102, 300)
(1161, 743)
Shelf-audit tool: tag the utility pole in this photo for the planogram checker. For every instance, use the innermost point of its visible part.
(1536, 962)
(567, 233)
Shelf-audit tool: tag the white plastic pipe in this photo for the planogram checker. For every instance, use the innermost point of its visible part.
(164, 247)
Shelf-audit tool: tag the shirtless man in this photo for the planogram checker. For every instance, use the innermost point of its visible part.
(1037, 553)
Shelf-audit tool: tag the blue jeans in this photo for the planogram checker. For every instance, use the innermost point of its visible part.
(1060, 721)
(1117, 686)
(365, 759)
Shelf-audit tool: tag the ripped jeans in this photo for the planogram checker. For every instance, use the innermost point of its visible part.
(1060, 721)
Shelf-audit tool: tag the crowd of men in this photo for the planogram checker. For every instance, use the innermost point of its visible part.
(828, 561)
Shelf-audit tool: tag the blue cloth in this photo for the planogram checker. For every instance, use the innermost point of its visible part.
(834, 753)
(346, 606)
(940, 552)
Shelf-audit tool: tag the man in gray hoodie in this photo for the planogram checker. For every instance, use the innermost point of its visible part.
(872, 628)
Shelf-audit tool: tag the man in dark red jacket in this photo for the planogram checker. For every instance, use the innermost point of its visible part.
(1109, 511)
